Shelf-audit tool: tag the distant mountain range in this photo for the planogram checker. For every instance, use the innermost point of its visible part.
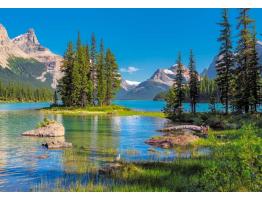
(163, 79)
(25, 60)
(160, 81)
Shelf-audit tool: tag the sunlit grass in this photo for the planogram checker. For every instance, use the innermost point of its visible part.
(101, 110)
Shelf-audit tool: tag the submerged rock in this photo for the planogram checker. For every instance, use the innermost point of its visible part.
(53, 129)
(57, 144)
(170, 141)
(42, 156)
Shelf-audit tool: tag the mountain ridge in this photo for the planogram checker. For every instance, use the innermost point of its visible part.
(27, 46)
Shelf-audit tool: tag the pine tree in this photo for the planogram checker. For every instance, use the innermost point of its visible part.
(113, 78)
(89, 81)
(65, 84)
(193, 82)
(176, 94)
(101, 85)
(254, 75)
(93, 69)
(244, 57)
(179, 89)
(76, 75)
(224, 63)
(84, 68)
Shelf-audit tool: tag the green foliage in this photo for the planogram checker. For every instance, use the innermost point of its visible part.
(193, 82)
(224, 63)
(21, 92)
(89, 79)
(113, 78)
(176, 94)
(233, 164)
(247, 73)
(45, 123)
(101, 75)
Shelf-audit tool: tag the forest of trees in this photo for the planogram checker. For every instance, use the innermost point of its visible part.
(238, 82)
(19, 92)
(91, 77)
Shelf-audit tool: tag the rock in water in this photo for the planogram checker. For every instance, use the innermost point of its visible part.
(51, 130)
(57, 144)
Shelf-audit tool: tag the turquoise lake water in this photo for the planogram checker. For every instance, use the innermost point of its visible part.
(96, 140)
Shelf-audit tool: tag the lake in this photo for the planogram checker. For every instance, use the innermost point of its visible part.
(96, 140)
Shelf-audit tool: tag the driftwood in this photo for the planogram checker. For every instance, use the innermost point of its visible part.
(180, 127)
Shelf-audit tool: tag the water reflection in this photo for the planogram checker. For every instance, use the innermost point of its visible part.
(96, 140)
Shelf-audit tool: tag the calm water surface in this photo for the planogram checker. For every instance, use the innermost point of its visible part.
(97, 140)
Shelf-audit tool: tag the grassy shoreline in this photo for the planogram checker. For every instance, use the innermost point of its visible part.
(103, 110)
(233, 165)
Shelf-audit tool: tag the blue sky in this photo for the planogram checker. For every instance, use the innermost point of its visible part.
(144, 39)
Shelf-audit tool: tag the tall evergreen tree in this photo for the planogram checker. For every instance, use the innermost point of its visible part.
(255, 97)
(193, 82)
(180, 92)
(244, 68)
(113, 78)
(101, 84)
(83, 64)
(176, 94)
(93, 68)
(225, 61)
(76, 75)
(65, 87)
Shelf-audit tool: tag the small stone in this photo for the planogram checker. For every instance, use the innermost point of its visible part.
(42, 156)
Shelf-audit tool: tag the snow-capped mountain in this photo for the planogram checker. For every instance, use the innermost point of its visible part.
(161, 80)
(27, 46)
(211, 73)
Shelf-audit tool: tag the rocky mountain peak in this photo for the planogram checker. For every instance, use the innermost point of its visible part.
(31, 37)
(3, 33)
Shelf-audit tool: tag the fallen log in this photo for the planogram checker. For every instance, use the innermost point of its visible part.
(180, 127)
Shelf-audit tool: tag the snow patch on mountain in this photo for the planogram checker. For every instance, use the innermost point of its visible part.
(133, 83)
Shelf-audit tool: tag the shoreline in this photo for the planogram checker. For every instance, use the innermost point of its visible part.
(104, 110)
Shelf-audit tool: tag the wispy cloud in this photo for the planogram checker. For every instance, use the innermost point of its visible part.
(129, 70)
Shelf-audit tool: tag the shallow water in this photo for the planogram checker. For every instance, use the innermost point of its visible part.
(97, 140)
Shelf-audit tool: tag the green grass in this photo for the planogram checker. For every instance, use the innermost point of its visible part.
(103, 110)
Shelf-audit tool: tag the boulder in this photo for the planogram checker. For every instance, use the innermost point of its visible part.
(57, 144)
(53, 129)
(170, 141)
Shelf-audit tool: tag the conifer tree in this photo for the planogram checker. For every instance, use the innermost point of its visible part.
(83, 64)
(176, 94)
(254, 75)
(113, 78)
(65, 84)
(180, 92)
(76, 75)
(224, 63)
(193, 82)
(93, 69)
(101, 84)
(244, 68)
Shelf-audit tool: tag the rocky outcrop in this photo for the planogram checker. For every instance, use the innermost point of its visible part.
(170, 141)
(27, 46)
(57, 144)
(51, 130)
